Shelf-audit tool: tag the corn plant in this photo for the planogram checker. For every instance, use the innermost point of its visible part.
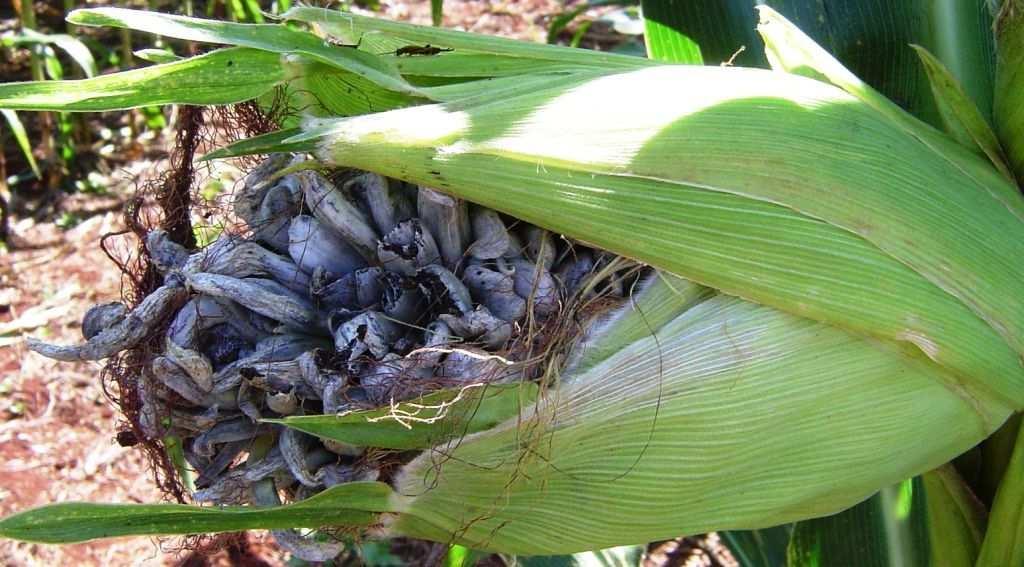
(817, 282)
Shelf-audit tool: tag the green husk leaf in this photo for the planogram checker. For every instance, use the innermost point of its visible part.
(273, 38)
(664, 35)
(1008, 111)
(21, 138)
(893, 209)
(352, 504)
(1004, 537)
(962, 119)
(768, 416)
(272, 142)
(422, 423)
(224, 76)
(656, 302)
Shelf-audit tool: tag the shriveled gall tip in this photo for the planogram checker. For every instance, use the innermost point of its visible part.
(388, 202)
(480, 325)
(257, 183)
(447, 219)
(492, 239)
(540, 245)
(271, 224)
(370, 333)
(192, 362)
(123, 335)
(264, 493)
(333, 208)
(262, 296)
(534, 283)
(312, 246)
(445, 290)
(177, 380)
(101, 317)
(496, 291)
(165, 254)
(402, 299)
(407, 247)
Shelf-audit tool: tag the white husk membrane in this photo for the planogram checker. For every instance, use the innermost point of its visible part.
(343, 296)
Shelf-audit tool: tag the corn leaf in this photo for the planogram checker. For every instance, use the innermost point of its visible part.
(220, 77)
(664, 35)
(871, 38)
(929, 520)
(735, 416)
(789, 49)
(1004, 537)
(21, 138)
(274, 38)
(753, 548)
(962, 119)
(352, 504)
(887, 530)
(422, 423)
(766, 230)
(350, 28)
(1008, 111)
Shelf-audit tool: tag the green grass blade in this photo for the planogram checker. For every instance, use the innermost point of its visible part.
(664, 36)
(274, 38)
(436, 12)
(352, 504)
(21, 138)
(75, 49)
(349, 28)
(422, 423)
(224, 76)
(961, 117)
